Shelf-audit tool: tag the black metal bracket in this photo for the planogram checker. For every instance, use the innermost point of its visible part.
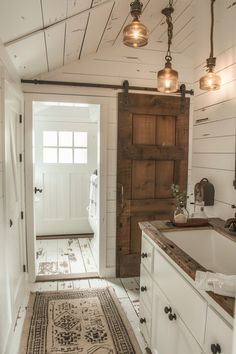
(126, 95)
(182, 90)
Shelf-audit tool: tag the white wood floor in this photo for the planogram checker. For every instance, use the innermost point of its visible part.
(127, 291)
(64, 256)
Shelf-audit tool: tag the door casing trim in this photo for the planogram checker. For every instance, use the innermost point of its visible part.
(29, 173)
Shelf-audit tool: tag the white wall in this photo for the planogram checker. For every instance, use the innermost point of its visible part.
(8, 309)
(214, 139)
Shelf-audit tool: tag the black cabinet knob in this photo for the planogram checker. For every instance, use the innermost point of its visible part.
(142, 320)
(168, 309)
(143, 288)
(144, 255)
(37, 190)
(10, 222)
(215, 348)
(172, 317)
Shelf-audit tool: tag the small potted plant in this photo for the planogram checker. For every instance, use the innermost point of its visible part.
(181, 214)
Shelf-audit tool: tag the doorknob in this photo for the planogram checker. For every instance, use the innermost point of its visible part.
(215, 348)
(37, 190)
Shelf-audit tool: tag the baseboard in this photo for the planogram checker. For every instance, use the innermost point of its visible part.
(14, 335)
(61, 277)
(64, 236)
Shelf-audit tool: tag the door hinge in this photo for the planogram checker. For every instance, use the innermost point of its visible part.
(20, 157)
(24, 268)
(20, 118)
(22, 215)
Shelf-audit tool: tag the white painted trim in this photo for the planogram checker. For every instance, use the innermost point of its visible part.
(102, 170)
(10, 345)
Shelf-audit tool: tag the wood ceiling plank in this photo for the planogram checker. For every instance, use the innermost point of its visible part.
(185, 34)
(98, 2)
(55, 44)
(29, 55)
(119, 14)
(182, 15)
(54, 11)
(75, 29)
(18, 18)
(77, 6)
(96, 28)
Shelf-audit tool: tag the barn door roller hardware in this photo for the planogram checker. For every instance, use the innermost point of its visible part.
(103, 86)
(125, 87)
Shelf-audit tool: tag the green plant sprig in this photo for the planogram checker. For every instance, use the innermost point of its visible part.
(180, 197)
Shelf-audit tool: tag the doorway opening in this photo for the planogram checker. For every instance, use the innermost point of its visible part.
(66, 189)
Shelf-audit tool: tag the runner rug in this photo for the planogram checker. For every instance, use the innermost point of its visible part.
(87, 321)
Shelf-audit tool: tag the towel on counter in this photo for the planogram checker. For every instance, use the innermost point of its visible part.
(93, 196)
(218, 283)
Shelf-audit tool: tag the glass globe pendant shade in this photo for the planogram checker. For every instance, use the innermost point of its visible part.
(135, 34)
(210, 82)
(167, 79)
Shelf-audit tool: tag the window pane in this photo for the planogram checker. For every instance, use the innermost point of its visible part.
(49, 138)
(80, 156)
(50, 155)
(80, 139)
(65, 156)
(65, 138)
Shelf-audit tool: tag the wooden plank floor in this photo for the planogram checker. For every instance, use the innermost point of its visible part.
(64, 257)
(127, 291)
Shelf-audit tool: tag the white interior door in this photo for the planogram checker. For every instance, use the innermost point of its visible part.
(13, 190)
(65, 157)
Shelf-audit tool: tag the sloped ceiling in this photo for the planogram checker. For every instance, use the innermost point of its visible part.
(43, 35)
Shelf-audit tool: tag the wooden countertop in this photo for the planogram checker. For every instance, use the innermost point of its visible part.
(154, 230)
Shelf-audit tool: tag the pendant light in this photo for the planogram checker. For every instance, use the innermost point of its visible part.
(211, 81)
(167, 78)
(135, 34)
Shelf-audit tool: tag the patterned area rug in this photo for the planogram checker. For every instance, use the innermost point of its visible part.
(87, 321)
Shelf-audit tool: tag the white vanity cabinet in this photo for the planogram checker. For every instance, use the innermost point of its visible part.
(169, 334)
(175, 317)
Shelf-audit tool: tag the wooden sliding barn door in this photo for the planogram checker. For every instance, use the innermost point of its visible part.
(152, 154)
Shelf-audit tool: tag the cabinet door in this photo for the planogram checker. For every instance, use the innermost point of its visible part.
(218, 333)
(163, 337)
(169, 336)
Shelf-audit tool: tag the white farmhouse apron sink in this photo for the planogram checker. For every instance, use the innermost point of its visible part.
(209, 248)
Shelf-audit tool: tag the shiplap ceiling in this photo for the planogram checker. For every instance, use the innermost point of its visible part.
(43, 35)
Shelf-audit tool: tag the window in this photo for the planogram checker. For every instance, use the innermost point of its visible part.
(65, 147)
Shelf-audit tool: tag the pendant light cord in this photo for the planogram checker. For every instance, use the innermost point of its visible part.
(168, 12)
(212, 28)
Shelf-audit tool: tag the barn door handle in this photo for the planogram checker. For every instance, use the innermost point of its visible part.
(122, 196)
(37, 190)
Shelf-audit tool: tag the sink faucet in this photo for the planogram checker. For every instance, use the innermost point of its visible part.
(231, 224)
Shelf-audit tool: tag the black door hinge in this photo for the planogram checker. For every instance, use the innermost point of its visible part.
(20, 157)
(24, 268)
(22, 215)
(20, 118)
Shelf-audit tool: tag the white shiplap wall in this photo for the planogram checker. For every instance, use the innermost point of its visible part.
(214, 138)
